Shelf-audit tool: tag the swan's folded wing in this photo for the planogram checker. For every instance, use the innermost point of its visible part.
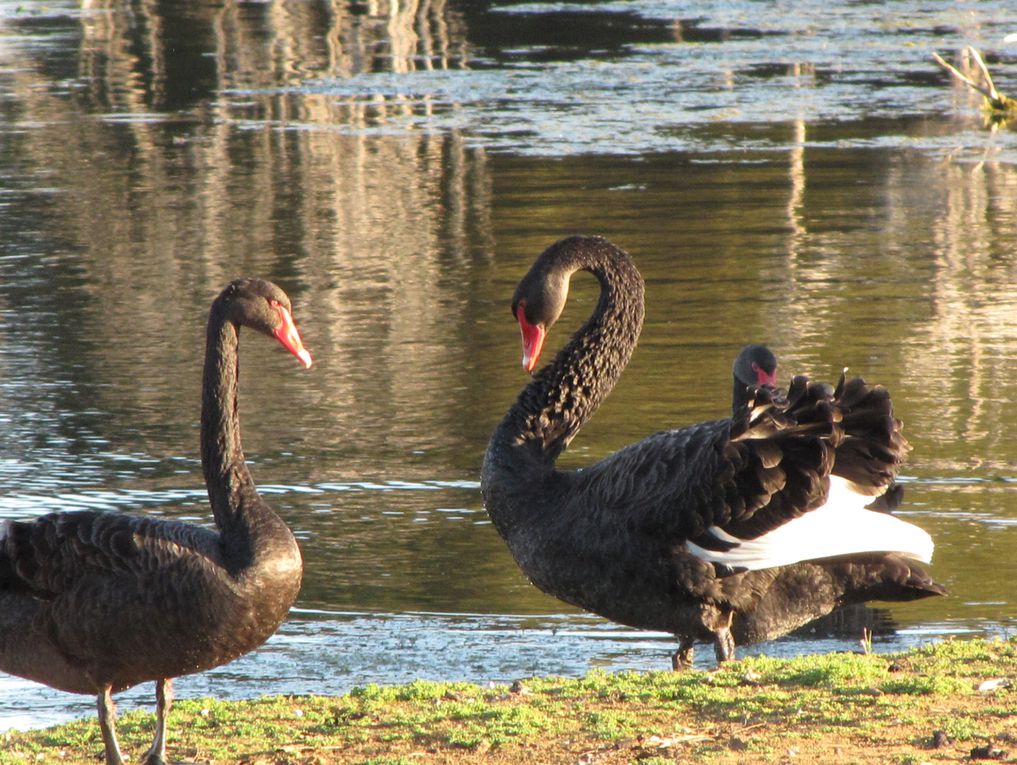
(804, 469)
(841, 526)
(50, 554)
(734, 474)
(669, 486)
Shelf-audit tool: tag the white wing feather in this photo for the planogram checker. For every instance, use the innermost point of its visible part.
(842, 526)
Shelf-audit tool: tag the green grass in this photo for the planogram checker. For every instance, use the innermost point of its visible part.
(875, 708)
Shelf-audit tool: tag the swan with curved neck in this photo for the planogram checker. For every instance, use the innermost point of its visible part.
(670, 533)
(98, 602)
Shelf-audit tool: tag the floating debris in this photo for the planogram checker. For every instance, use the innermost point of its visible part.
(998, 106)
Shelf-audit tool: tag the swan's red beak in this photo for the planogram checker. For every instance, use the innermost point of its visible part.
(763, 377)
(289, 337)
(533, 339)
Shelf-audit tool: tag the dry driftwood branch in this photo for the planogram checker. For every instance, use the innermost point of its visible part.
(995, 100)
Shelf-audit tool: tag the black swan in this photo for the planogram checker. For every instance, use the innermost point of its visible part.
(789, 597)
(685, 531)
(754, 366)
(98, 602)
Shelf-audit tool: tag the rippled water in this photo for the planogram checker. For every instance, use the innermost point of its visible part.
(798, 174)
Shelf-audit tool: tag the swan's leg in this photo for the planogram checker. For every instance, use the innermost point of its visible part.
(723, 640)
(717, 619)
(682, 658)
(156, 754)
(724, 645)
(108, 726)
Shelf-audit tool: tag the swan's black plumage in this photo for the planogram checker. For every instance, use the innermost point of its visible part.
(631, 537)
(788, 597)
(98, 602)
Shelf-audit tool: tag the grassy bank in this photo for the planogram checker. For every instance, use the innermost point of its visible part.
(948, 702)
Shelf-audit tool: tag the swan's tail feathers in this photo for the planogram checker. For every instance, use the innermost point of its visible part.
(887, 577)
(841, 526)
(809, 469)
(796, 439)
(873, 446)
(781, 448)
(806, 408)
(889, 500)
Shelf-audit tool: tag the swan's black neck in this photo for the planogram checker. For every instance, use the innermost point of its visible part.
(231, 489)
(565, 394)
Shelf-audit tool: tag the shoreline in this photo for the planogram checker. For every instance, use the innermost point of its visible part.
(948, 701)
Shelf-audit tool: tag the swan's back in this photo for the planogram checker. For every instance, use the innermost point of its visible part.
(128, 599)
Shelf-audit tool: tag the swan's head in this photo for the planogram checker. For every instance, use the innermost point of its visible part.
(537, 304)
(264, 307)
(756, 365)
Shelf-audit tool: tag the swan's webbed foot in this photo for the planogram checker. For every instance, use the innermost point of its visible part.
(108, 726)
(682, 658)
